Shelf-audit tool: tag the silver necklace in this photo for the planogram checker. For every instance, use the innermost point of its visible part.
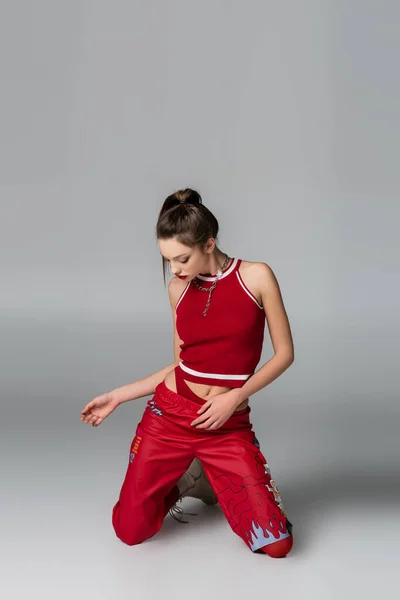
(214, 285)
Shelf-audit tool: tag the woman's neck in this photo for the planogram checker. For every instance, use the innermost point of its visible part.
(215, 263)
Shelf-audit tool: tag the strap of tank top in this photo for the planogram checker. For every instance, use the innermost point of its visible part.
(239, 260)
(183, 389)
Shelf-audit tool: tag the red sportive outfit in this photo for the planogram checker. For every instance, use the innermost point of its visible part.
(165, 442)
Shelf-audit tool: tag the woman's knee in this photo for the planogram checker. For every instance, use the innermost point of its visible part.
(130, 538)
(279, 549)
(132, 529)
(132, 535)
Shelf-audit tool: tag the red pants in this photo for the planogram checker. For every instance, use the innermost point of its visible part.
(162, 450)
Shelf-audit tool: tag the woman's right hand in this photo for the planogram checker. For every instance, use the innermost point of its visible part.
(98, 409)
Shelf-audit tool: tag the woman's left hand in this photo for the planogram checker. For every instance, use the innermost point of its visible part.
(217, 410)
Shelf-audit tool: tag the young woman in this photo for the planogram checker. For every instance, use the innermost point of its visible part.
(199, 411)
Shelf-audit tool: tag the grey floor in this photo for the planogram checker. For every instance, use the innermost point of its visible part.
(334, 458)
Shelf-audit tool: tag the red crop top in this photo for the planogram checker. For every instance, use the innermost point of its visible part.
(224, 347)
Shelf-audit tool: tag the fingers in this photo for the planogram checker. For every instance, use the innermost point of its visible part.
(215, 425)
(206, 423)
(87, 408)
(205, 407)
(95, 421)
(201, 411)
(85, 416)
(199, 420)
(89, 418)
(92, 419)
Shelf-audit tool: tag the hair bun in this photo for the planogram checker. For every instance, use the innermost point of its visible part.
(188, 196)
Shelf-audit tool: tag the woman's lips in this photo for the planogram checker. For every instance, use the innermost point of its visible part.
(182, 276)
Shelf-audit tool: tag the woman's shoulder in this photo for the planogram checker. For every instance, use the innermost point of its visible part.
(175, 289)
(257, 276)
(256, 267)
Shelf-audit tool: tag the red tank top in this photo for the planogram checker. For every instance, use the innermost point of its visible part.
(224, 347)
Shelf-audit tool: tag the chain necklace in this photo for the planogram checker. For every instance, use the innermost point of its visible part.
(214, 285)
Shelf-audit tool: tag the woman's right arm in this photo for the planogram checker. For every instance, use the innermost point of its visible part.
(140, 388)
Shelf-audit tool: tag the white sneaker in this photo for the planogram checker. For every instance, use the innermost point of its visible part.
(194, 484)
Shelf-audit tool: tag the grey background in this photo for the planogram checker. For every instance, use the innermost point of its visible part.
(284, 116)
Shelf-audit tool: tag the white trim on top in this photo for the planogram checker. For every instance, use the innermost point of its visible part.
(225, 274)
(213, 375)
(247, 291)
(181, 296)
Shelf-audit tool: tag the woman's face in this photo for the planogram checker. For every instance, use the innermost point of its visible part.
(184, 262)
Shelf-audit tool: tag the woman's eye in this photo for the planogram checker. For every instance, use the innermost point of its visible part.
(185, 261)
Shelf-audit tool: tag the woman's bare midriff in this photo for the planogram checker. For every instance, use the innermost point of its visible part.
(204, 391)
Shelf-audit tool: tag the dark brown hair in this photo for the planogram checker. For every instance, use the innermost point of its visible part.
(184, 216)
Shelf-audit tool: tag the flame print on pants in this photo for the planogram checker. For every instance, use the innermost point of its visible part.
(253, 506)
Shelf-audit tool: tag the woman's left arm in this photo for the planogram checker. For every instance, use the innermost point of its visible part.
(279, 330)
(215, 412)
